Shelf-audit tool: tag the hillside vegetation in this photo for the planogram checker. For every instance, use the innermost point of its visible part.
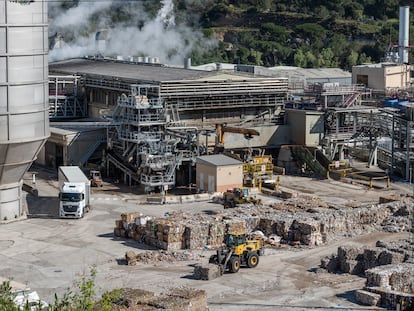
(302, 33)
(305, 33)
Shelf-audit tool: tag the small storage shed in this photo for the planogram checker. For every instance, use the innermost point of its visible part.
(217, 173)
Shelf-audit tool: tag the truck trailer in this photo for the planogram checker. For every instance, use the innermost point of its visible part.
(75, 192)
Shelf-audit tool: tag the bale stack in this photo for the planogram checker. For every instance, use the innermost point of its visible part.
(307, 232)
(125, 226)
(399, 277)
(393, 283)
(354, 260)
(164, 234)
(196, 236)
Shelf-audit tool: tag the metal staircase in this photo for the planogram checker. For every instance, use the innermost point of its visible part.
(303, 155)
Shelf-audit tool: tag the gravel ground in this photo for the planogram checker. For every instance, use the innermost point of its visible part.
(49, 254)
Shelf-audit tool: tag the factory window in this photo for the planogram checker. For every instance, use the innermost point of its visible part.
(412, 74)
(362, 79)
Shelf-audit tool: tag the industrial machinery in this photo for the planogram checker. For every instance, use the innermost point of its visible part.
(232, 198)
(95, 178)
(258, 169)
(221, 129)
(238, 251)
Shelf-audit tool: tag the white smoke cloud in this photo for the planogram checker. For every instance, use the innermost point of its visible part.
(160, 37)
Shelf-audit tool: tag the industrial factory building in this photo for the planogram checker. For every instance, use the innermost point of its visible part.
(160, 118)
(217, 173)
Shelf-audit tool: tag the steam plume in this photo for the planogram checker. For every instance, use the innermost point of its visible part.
(134, 35)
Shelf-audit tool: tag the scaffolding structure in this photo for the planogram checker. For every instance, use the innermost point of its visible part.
(64, 99)
(144, 148)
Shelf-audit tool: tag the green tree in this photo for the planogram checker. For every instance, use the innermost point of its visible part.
(351, 60)
(299, 59)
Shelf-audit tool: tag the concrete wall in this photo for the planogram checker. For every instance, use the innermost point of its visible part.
(275, 135)
(306, 127)
(383, 76)
(229, 177)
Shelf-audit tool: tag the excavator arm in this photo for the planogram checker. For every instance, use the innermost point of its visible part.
(221, 129)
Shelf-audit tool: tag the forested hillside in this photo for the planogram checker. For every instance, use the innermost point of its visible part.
(305, 33)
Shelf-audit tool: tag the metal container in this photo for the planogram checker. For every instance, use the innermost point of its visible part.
(24, 121)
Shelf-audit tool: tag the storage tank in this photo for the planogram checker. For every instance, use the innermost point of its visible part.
(24, 106)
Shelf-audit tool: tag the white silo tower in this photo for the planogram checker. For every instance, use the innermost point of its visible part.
(404, 27)
(24, 106)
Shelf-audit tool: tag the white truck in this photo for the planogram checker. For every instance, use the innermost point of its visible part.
(75, 192)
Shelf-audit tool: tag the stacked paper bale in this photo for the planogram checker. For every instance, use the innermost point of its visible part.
(235, 226)
(125, 226)
(164, 234)
(355, 260)
(196, 235)
(399, 277)
(349, 259)
(216, 232)
(307, 232)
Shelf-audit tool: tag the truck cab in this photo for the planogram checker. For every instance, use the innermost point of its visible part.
(72, 200)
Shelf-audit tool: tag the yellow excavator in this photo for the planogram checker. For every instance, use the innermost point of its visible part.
(237, 251)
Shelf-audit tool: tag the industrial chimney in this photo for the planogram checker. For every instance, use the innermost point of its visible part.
(404, 34)
(24, 105)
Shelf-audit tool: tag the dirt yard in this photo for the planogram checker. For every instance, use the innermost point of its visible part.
(49, 254)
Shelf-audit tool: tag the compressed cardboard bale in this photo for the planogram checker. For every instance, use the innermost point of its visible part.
(352, 267)
(236, 226)
(122, 233)
(377, 277)
(281, 228)
(349, 253)
(206, 271)
(117, 232)
(266, 225)
(333, 265)
(131, 258)
(370, 258)
(196, 236)
(388, 258)
(367, 298)
(129, 217)
(118, 223)
(312, 239)
(252, 222)
(215, 234)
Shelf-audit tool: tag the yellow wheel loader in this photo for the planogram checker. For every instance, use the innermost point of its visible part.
(238, 251)
(238, 196)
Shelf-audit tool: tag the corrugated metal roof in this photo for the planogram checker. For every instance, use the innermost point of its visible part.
(218, 160)
(131, 71)
(311, 73)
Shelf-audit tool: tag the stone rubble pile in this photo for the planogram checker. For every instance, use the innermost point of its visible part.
(151, 257)
(312, 225)
(177, 299)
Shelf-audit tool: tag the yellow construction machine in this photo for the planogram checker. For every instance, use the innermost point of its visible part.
(235, 196)
(237, 251)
